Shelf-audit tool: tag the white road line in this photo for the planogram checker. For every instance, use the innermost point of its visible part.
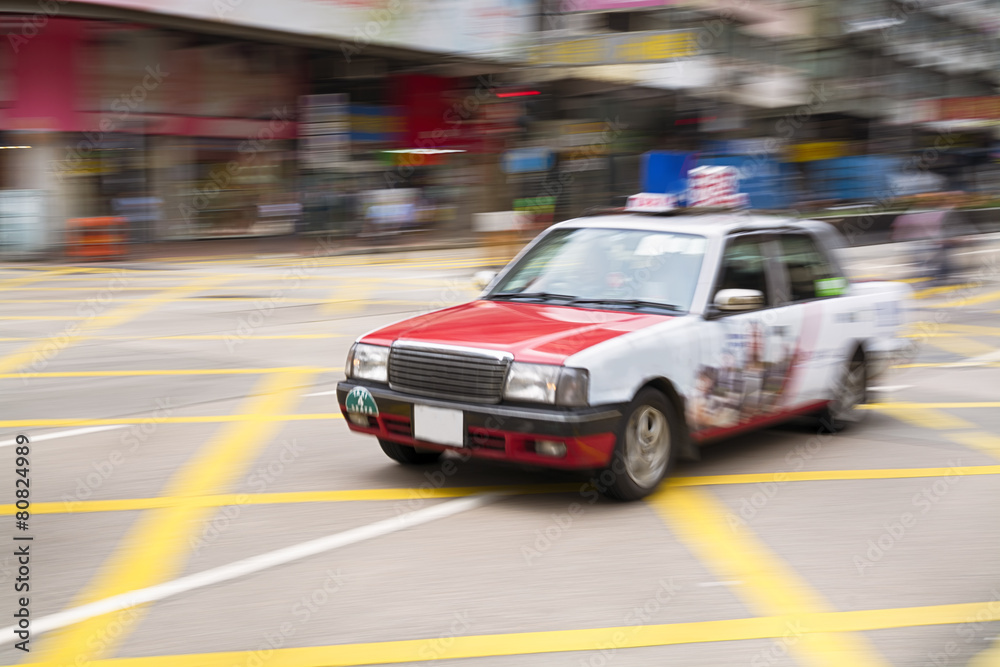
(250, 565)
(891, 388)
(320, 393)
(65, 434)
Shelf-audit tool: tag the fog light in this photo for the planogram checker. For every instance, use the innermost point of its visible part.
(550, 448)
(358, 418)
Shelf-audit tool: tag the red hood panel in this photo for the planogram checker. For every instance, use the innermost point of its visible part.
(531, 332)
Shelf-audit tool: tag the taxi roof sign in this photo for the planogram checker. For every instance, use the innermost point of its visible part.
(651, 202)
(706, 187)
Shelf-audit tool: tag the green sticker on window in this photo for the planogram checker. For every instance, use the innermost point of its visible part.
(831, 286)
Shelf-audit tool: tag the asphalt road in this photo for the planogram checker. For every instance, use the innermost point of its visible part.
(196, 499)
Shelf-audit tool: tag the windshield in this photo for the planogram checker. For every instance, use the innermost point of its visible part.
(603, 268)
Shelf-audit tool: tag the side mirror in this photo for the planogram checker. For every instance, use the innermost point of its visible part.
(482, 279)
(738, 300)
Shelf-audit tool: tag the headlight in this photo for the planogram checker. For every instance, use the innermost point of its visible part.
(368, 362)
(544, 383)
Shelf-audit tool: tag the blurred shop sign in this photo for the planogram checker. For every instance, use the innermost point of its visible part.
(569, 6)
(324, 130)
(524, 160)
(817, 150)
(376, 124)
(969, 108)
(642, 47)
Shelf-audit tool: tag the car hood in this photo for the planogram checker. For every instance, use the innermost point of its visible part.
(538, 333)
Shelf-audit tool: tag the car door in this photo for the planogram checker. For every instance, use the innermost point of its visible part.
(741, 354)
(808, 282)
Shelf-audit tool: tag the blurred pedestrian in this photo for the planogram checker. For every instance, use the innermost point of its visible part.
(922, 230)
(955, 234)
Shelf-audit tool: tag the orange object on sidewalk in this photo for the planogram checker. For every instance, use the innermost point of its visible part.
(96, 237)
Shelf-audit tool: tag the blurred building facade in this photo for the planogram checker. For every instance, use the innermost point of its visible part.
(218, 118)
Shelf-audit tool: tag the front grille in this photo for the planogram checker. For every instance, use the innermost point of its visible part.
(447, 372)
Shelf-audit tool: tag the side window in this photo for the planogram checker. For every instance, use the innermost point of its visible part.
(743, 266)
(810, 273)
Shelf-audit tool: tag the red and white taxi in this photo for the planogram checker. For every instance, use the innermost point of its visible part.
(617, 343)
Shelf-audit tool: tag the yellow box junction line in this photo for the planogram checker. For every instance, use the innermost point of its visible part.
(156, 547)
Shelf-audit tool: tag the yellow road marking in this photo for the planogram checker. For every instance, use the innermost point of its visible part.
(182, 371)
(985, 442)
(191, 419)
(53, 317)
(355, 495)
(770, 587)
(971, 300)
(43, 351)
(972, 329)
(963, 347)
(347, 298)
(591, 639)
(926, 406)
(156, 548)
(988, 658)
(923, 417)
(944, 289)
(14, 283)
(278, 282)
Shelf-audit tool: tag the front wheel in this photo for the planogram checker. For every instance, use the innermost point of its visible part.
(406, 454)
(644, 450)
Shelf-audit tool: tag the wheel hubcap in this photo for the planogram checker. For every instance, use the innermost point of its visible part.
(647, 446)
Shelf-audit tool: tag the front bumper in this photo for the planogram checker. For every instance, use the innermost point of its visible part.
(499, 432)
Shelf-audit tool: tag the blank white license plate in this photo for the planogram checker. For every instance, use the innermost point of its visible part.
(439, 425)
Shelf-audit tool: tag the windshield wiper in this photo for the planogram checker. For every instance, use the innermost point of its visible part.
(540, 296)
(633, 303)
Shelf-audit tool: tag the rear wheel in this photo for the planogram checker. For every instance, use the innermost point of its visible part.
(406, 454)
(644, 450)
(850, 392)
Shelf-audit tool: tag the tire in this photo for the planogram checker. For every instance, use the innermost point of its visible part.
(408, 455)
(646, 447)
(850, 391)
